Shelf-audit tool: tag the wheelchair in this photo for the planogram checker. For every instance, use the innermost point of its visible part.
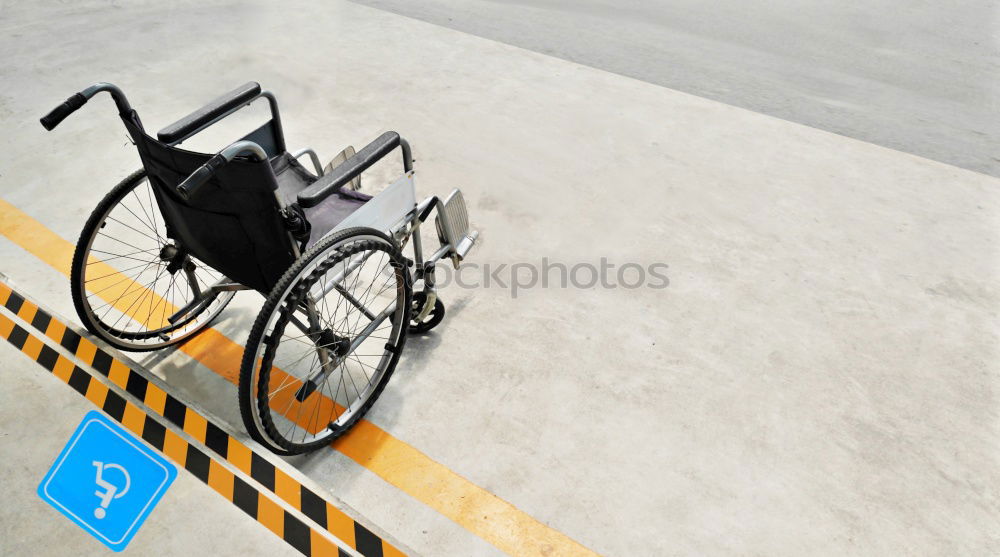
(167, 249)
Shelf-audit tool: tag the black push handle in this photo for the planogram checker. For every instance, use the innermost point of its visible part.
(59, 113)
(190, 185)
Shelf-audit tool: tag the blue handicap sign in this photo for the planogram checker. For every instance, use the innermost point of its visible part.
(106, 480)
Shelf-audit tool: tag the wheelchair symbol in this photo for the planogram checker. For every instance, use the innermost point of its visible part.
(110, 490)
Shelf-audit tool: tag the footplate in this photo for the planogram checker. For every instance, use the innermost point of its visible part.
(348, 152)
(452, 225)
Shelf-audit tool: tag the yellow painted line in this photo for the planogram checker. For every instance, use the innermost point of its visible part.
(32, 341)
(395, 461)
(255, 503)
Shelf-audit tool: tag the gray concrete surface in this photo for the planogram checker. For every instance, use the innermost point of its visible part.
(38, 414)
(820, 376)
(921, 77)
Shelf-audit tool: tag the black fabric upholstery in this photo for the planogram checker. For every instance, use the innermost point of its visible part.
(328, 214)
(293, 178)
(204, 115)
(233, 224)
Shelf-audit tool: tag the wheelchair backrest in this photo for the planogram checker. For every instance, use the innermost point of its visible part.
(234, 222)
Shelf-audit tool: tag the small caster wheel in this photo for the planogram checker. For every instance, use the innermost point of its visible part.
(432, 319)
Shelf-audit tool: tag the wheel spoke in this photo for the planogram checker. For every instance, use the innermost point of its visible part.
(331, 394)
(128, 306)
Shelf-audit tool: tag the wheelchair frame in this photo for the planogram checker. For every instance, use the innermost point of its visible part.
(269, 140)
(393, 211)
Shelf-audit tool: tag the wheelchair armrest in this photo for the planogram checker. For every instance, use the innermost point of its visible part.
(207, 114)
(349, 169)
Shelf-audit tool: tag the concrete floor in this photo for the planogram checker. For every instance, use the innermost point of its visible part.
(819, 376)
(920, 77)
(40, 413)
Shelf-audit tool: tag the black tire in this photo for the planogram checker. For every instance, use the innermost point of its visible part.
(272, 376)
(126, 325)
(433, 318)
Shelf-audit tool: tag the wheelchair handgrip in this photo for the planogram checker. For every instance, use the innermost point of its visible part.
(59, 113)
(190, 185)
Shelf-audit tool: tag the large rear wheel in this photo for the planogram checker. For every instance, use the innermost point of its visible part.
(133, 286)
(326, 341)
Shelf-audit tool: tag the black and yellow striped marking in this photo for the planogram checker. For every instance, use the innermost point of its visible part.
(203, 466)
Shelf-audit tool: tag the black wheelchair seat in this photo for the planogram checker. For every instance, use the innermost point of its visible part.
(246, 204)
(293, 179)
(233, 223)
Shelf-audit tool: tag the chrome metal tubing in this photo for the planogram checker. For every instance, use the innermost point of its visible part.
(312, 155)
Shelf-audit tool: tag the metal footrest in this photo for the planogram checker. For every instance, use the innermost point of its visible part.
(452, 223)
(355, 183)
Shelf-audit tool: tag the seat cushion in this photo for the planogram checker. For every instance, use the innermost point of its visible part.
(293, 177)
(328, 214)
